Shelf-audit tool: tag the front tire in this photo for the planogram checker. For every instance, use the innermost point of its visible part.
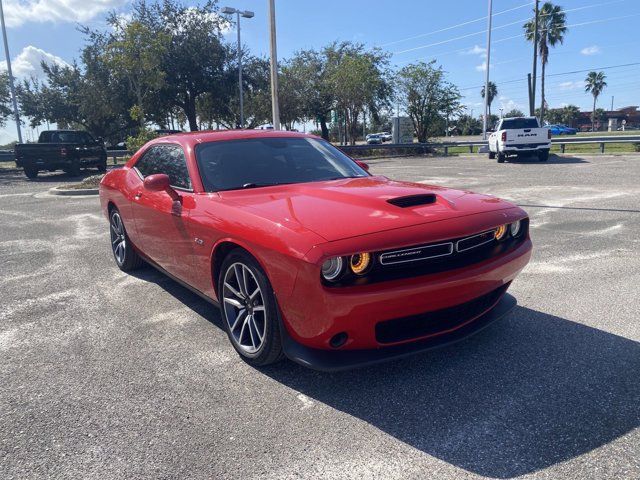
(31, 172)
(102, 166)
(501, 157)
(249, 309)
(125, 256)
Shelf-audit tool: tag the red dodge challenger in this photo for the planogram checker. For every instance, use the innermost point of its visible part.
(307, 254)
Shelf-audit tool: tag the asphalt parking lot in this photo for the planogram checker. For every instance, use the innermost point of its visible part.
(109, 375)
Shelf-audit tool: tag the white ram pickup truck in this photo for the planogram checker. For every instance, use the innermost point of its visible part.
(519, 136)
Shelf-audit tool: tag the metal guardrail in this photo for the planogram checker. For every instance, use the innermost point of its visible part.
(115, 154)
(445, 146)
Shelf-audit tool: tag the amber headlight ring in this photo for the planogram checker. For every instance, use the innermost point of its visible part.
(360, 263)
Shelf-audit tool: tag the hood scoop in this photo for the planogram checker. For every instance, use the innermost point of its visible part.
(413, 200)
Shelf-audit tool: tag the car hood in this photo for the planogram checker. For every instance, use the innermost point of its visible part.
(345, 208)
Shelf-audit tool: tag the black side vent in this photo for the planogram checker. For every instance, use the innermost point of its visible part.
(413, 200)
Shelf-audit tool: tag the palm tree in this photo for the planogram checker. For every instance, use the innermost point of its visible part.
(552, 27)
(493, 93)
(594, 83)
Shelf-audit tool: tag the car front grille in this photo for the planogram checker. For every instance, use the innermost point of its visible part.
(436, 322)
(417, 260)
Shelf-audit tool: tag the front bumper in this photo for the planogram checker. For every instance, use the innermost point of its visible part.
(313, 315)
(335, 360)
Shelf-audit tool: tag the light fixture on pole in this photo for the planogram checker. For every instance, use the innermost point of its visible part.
(486, 85)
(245, 14)
(275, 109)
(11, 86)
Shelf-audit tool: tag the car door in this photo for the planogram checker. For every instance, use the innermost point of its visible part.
(161, 223)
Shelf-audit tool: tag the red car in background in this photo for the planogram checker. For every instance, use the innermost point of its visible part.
(307, 254)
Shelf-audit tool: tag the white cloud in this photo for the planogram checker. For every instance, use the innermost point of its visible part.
(569, 85)
(483, 67)
(28, 63)
(476, 50)
(592, 50)
(18, 12)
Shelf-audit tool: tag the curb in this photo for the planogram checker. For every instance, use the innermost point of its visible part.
(72, 192)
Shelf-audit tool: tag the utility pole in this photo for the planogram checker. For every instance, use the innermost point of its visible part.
(532, 92)
(612, 103)
(245, 14)
(486, 83)
(275, 109)
(11, 86)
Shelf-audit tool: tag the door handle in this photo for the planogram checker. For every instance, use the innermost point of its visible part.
(138, 196)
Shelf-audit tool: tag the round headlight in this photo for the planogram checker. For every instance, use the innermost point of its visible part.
(360, 263)
(501, 232)
(332, 268)
(516, 228)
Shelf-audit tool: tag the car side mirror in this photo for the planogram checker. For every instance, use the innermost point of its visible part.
(364, 165)
(160, 182)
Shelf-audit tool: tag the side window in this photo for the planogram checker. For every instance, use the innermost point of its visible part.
(168, 159)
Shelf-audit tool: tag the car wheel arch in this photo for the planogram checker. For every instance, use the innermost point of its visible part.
(220, 251)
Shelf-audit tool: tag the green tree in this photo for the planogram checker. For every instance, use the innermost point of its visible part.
(136, 51)
(357, 79)
(552, 28)
(6, 109)
(291, 91)
(514, 113)
(570, 115)
(468, 125)
(312, 68)
(493, 93)
(427, 97)
(595, 83)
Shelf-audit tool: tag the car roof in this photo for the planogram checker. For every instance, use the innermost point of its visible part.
(203, 136)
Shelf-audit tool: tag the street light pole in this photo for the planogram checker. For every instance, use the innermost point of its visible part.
(275, 109)
(486, 84)
(240, 72)
(245, 14)
(532, 94)
(11, 86)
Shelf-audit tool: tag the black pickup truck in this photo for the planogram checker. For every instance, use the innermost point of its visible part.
(68, 150)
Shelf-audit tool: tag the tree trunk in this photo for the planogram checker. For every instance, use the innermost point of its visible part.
(323, 127)
(544, 64)
(593, 115)
(190, 113)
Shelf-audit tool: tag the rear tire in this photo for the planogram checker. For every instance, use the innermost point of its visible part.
(501, 158)
(249, 309)
(31, 172)
(543, 155)
(74, 168)
(124, 254)
(492, 155)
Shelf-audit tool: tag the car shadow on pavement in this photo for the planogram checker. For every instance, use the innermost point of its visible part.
(529, 392)
(553, 159)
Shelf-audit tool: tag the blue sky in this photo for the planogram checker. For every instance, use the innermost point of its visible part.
(601, 33)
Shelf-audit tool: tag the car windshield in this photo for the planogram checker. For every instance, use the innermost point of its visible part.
(258, 162)
(516, 123)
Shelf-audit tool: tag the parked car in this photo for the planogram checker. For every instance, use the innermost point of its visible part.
(567, 130)
(386, 136)
(374, 139)
(562, 130)
(518, 136)
(68, 150)
(307, 254)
